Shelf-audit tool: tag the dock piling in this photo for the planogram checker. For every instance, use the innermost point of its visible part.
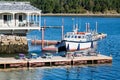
(28, 64)
(4, 66)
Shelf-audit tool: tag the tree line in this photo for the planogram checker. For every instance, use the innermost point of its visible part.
(76, 6)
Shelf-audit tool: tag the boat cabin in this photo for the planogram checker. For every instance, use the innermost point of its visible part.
(81, 36)
(18, 17)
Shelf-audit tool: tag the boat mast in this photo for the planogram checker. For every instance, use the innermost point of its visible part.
(87, 27)
(43, 33)
(73, 23)
(96, 27)
(62, 28)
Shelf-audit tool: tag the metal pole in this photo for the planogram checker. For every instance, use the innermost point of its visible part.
(73, 23)
(62, 29)
(96, 27)
(86, 27)
(43, 33)
(42, 38)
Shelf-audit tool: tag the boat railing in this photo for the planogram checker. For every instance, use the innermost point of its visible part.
(70, 33)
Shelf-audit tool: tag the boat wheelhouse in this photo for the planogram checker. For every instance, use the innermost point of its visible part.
(78, 37)
(18, 17)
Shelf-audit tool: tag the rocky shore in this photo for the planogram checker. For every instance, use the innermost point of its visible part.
(13, 44)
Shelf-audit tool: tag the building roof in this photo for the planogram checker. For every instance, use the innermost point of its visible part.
(22, 6)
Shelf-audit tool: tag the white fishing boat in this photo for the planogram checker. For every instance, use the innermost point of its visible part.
(77, 41)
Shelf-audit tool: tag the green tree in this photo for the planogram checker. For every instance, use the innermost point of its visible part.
(75, 6)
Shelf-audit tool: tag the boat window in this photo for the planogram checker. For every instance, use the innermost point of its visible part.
(89, 36)
(65, 36)
(72, 36)
(68, 36)
(75, 36)
(79, 36)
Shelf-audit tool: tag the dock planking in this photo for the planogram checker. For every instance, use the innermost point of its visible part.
(54, 61)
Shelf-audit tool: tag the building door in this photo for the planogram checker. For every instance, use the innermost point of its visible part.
(20, 18)
(5, 18)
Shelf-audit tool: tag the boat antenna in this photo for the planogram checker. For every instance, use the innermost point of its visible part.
(96, 27)
(86, 27)
(79, 23)
(62, 28)
(76, 27)
(73, 23)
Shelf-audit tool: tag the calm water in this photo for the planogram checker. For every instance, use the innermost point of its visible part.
(108, 46)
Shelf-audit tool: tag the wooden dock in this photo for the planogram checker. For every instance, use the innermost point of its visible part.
(54, 61)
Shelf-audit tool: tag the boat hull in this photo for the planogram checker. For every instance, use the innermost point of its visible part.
(79, 46)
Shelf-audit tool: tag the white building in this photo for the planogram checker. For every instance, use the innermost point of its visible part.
(18, 17)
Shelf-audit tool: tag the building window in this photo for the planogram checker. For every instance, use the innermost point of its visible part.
(7, 18)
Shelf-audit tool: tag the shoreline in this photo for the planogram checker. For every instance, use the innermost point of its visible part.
(87, 15)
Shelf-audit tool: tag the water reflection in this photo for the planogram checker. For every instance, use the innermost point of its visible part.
(54, 73)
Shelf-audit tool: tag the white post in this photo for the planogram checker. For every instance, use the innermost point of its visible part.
(28, 19)
(36, 18)
(33, 18)
(13, 20)
(2, 20)
(40, 19)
